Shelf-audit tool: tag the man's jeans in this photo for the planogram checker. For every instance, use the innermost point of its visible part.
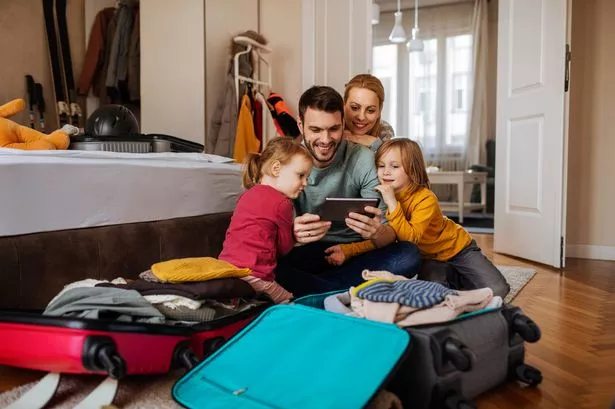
(305, 271)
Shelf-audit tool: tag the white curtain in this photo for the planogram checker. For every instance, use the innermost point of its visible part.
(477, 124)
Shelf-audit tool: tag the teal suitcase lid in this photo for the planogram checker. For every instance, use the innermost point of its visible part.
(296, 357)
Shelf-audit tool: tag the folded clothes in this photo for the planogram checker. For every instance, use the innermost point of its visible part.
(196, 269)
(104, 303)
(173, 301)
(203, 314)
(339, 303)
(413, 293)
(220, 288)
(88, 282)
(148, 275)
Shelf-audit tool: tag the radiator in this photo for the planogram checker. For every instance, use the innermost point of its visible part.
(446, 163)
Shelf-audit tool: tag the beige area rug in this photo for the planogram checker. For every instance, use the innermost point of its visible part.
(145, 392)
(517, 278)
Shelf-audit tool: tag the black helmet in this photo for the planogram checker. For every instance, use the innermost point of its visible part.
(112, 120)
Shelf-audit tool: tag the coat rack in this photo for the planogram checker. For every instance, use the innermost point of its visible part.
(258, 47)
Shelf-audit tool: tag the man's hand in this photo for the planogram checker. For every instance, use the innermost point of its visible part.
(308, 228)
(388, 195)
(335, 255)
(366, 226)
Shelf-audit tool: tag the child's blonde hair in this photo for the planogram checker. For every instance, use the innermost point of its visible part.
(281, 149)
(411, 160)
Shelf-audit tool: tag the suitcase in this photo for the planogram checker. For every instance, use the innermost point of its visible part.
(451, 363)
(116, 349)
(293, 356)
(137, 143)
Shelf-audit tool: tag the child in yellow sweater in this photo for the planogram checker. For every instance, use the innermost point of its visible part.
(415, 215)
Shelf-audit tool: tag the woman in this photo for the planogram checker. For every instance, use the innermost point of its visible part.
(363, 100)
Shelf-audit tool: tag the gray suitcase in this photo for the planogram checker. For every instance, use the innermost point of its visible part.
(452, 363)
(449, 364)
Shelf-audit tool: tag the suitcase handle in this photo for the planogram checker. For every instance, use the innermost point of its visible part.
(458, 354)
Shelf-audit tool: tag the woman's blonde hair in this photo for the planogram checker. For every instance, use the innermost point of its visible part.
(411, 160)
(281, 149)
(371, 83)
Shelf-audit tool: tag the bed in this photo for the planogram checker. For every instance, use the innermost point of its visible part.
(60, 190)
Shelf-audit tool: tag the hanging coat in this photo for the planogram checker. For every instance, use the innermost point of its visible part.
(245, 138)
(221, 135)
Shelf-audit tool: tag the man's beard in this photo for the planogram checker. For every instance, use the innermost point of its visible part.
(317, 157)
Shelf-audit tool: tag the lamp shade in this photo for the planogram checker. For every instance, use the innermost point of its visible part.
(415, 44)
(398, 34)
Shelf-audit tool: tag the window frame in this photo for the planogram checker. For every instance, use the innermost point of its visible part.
(403, 117)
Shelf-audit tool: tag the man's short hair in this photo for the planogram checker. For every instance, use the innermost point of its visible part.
(321, 98)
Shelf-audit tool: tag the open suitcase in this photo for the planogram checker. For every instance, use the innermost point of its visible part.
(60, 345)
(451, 363)
(293, 356)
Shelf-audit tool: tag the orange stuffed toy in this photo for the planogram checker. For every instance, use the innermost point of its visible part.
(14, 135)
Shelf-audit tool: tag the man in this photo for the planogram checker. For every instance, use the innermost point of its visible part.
(341, 169)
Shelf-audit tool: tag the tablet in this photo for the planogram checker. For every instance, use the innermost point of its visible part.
(336, 209)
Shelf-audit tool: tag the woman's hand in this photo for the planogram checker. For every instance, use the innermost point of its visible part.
(335, 255)
(308, 228)
(388, 195)
(366, 140)
(366, 226)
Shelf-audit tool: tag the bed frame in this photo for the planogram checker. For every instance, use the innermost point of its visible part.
(35, 267)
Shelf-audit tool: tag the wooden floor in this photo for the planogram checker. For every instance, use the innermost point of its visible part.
(575, 309)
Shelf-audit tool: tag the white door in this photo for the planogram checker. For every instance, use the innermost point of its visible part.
(531, 130)
(337, 41)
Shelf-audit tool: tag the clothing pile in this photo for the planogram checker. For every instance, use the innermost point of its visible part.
(112, 63)
(174, 292)
(244, 125)
(390, 298)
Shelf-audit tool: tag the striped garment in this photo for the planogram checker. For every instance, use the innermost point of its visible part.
(413, 293)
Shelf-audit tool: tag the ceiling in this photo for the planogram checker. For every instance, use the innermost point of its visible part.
(391, 5)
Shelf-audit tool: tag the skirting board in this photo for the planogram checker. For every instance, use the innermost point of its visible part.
(590, 252)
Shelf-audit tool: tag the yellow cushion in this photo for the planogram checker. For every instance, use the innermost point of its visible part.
(196, 269)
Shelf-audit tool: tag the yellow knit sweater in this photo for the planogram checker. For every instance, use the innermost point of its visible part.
(417, 218)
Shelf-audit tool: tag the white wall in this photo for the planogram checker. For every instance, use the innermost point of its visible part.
(173, 68)
(337, 41)
(591, 197)
(280, 23)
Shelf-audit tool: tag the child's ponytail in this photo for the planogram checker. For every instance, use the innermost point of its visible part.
(281, 149)
(252, 170)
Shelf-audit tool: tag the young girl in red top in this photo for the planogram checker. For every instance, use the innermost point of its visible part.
(261, 228)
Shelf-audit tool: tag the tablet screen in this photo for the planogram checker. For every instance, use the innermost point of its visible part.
(336, 209)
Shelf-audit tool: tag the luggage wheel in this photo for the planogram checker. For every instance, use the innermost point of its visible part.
(185, 357)
(212, 345)
(458, 354)
(526, 328)
(456, 401)
(528, 375)
(100, 354)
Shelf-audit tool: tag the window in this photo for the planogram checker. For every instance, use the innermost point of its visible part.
(384, 59)
(422, 92)
(432, 100)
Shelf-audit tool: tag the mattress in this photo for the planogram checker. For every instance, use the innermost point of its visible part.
(58, 190)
